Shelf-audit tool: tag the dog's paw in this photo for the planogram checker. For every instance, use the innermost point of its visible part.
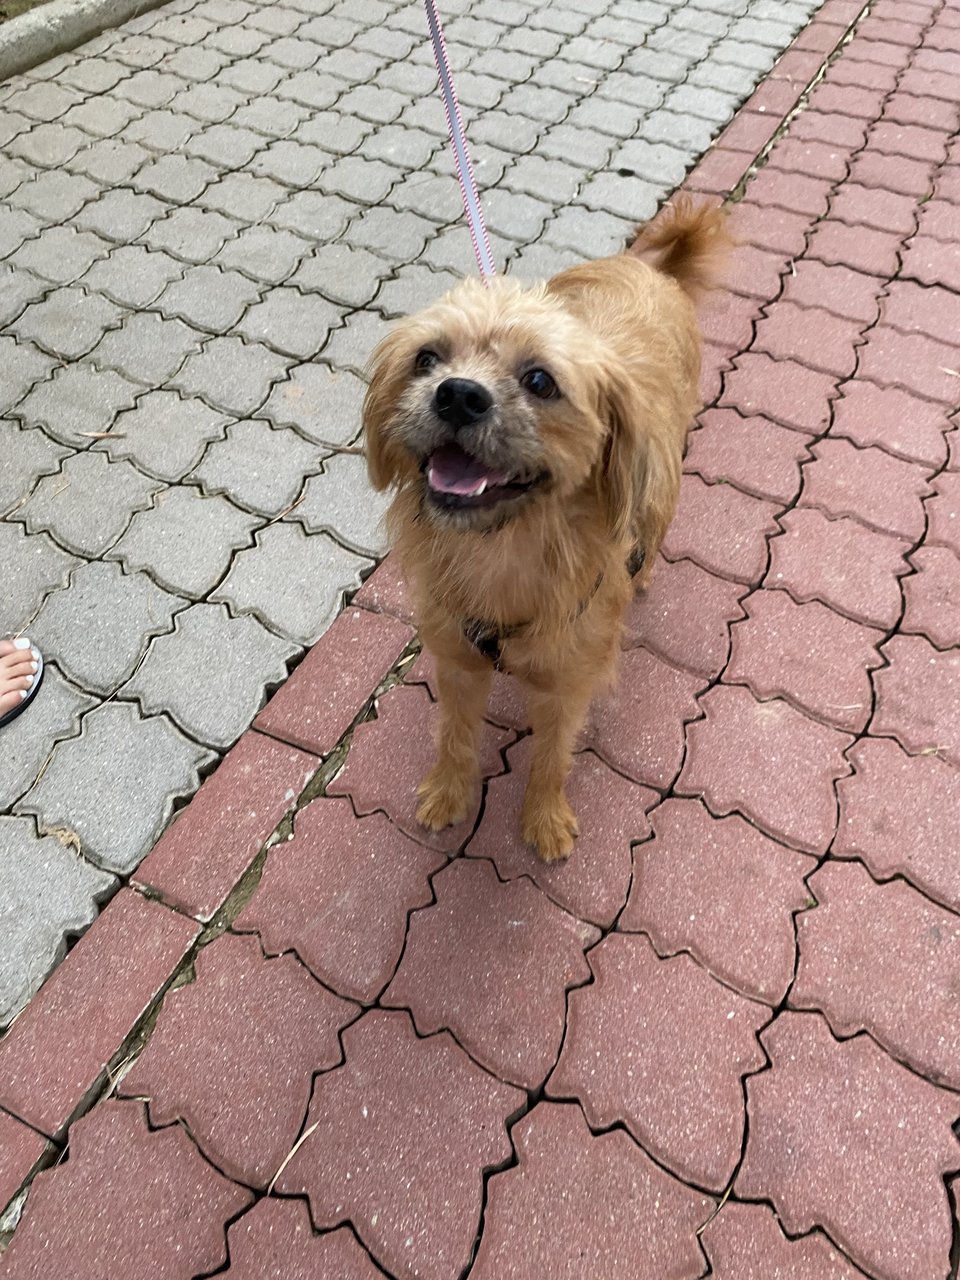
(550, 827)
(444, 801)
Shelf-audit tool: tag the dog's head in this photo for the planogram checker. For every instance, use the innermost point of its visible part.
(496, 398)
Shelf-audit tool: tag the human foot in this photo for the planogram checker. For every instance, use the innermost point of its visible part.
(21, 670)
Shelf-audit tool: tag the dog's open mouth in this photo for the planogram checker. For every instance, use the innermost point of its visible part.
(457, 480)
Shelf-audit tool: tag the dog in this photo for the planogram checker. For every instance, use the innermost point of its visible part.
(534, 436)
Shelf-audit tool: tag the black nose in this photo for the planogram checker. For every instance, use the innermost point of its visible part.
(461, 402)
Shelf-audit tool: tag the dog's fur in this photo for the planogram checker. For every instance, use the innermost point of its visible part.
(546, 567)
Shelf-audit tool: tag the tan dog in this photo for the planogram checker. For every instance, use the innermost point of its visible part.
(535, 436)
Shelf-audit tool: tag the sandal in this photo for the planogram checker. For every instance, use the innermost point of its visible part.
(29, 694)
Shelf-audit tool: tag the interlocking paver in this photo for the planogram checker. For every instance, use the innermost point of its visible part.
(816, 338)
(27, 455)
(782, 775)
(408, 1177)
(212, 842)
(871, 207)
(232, 375)
(338, 895)
(592, 884)
(185, 674)
(165, 435)
(244, 1107)
(783, 390)
(133, 275)
(943, 513)
(160, 1177)
(593, 1205)
(17, 288)
(88, 525)
(76, 401)
(915, 362)
(258, 467)
(276, 1238)
(56, 1057)
(146, 348)
(721, 529)
(896, 952)
(61, 254)
(191, 234)
(641, 733)
(932, 597)
(24, 365)
(98, 627)
(22, 1149)
(648, 1032)
(897, 816)
(745, 1242)
(290, 322)
(28, 742)
(758, 456)
(185, 541)
(841, 563)
(806, 653)
(914, 309)
(120, 215)
(68, 322)
(33, 564)
(836, 288)
(843, 1137)
(341, 502)
(485, 930)
(113, 787)
(322, 404)
(48, 893)
(880, 491)
(402, 734)
(892, 419)
(918, 697)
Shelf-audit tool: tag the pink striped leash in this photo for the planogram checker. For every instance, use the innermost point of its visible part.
(461, 153)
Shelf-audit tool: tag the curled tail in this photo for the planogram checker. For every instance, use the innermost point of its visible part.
(687, 241)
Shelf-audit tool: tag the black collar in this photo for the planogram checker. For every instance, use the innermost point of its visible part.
(488, 638)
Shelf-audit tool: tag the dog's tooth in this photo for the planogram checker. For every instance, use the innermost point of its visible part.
(482, 489)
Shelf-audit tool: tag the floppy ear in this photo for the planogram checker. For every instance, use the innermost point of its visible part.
(641, 466)
(389, 368)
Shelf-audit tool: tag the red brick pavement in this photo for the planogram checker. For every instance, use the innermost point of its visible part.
(724, 1037)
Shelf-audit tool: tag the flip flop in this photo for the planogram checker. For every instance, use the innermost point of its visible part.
(31, 693)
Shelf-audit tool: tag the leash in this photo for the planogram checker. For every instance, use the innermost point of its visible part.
(458, 141)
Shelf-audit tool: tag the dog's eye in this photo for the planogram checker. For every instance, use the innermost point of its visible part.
(425, 360)
(539, 383)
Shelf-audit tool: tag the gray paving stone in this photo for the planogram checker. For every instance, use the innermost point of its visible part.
(211, 673)
(32, 565)
(132, 50)
(209, 298)
(686, 133)
(176, 178)
(49, 145)
(165, 435)
(518, 216)
(259, 467)
(27, 741)
(291, 322)
(412, 288)
(699, 100)
(146, 348)
(42, 101)
(295, 54)
(252, 77)
(161, 131)
(102, 117)
(351, 346)
(294, 164)
(149, 88)
(69, 322)
(12, 174)
(12, 124)
(266, 255)
(653, 161)
(272, 118)
(452, 250)
(507, 130)
(542, 260)
(587, 148)
(314, 215)
(191, 234)
(594, 231)
(115, 785)
(625, 197)
(243, 196)
(292, 582)
(405, 148)
(429, 195)
(226, 146)
(18, 228)
(111, 162)
(232, 375)
(88, 504)
(196, 63)
(398, 239)
(238, 41)
(61, 254)
(23, 365)
(17, 290)
(77, 401)
(638, 87)
(120, 215)
(46, 893)
(97, 629)
(355, 66)
(133, 275)
(93, 75)
(342, 502)
(27, 455)
(549, 180)
(322, 404)
(342, 273)
(365, 181)
(373, 102)
(185, 541)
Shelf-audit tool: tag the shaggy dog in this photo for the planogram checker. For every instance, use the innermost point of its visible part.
(534, 436)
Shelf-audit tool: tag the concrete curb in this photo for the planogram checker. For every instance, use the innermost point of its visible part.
(58, 26)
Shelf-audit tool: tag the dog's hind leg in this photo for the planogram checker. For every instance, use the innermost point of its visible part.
(547, 821)
(448, 789)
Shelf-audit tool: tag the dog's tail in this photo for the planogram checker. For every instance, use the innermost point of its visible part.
(688, 241)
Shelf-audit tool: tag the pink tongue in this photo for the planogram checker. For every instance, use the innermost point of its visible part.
(451, 470)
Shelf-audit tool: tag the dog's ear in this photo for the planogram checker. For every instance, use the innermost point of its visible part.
(640, 474)
(389, 369)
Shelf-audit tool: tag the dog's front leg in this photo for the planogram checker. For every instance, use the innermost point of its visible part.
(547, 820)
(447, 790)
